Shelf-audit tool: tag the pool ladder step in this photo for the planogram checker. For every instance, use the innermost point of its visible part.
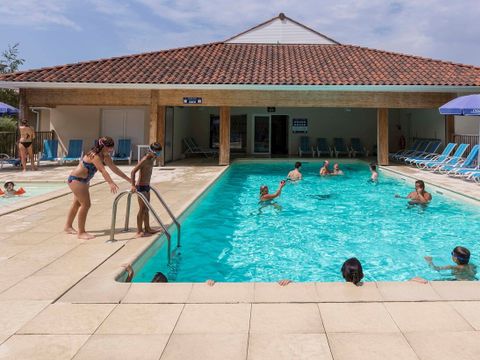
(152, 211)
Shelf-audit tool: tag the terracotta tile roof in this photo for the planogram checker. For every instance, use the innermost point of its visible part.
(265, 64)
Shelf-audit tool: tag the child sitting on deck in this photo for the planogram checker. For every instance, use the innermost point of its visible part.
(462, 270)
(145, 166)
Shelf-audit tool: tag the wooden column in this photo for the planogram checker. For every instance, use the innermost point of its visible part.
(382, 136)
(224, 158)
(152, 133)
(449, 128)
(23, 105)
(161, 132)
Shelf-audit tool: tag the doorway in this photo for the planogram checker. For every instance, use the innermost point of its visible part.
(279, 134)
(169, 118)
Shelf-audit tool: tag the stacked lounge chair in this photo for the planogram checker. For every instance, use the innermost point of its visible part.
(304, 147)
(323, 148)
(340, 148)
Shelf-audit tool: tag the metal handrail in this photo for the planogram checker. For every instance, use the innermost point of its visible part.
(149, 207)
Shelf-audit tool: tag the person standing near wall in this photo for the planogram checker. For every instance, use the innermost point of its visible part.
(25, 144)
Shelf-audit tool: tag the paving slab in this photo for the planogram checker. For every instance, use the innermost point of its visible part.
(470, 311)
(347, 292)
(222, 293)
(157, 293)
(293, 292)
(14, 314)
(407, 291)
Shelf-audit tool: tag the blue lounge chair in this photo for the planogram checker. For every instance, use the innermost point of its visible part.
(305, 147)
(473, 176)
(435, 157)
(340, 148)
(75, 151)
(451, 160)
(357, 147)
(430, 151)
(414, 146)
(420, 150)
(323, 148)
(6, 159)
(463, 167)
(124, 151)
(50, 151)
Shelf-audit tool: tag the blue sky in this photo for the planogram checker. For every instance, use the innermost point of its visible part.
(54, 32)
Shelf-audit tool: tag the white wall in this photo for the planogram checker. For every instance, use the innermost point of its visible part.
(425, 123)
(467, 125)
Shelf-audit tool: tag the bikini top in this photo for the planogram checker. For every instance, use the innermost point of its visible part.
(91, 168)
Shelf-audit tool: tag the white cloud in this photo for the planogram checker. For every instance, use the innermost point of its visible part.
(36, 13)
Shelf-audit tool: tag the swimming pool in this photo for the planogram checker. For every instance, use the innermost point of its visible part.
(313, 228)
(32, 189)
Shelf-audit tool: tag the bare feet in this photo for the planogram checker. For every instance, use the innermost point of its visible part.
(70, 230)
(210, 282)
(86, 236)
(152, 231)
(139, 235)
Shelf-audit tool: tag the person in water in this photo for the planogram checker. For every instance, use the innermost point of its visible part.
(265, 196)
(159, 277)
(25, 144)
(145, 167)
(419, 196)
(325, 168)
(295, 174)
(79, 182)
(337, 170)
(462, 270)
(10, 190)
(374, 173)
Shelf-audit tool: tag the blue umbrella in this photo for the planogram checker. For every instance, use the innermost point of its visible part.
(468, 105)
(6, 109)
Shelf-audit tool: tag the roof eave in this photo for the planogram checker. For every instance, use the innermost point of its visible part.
(368, 88)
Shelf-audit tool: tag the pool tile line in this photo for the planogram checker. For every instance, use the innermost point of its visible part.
(173, 330)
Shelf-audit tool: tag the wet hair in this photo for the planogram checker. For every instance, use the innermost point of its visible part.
(159, 278)
(298, 164)
(155, 147)
(8, 183)
(263, 187)
(462, 254)
(104, 141)
(352, 271)
(373, 167)
(326, 162)
(421, 183)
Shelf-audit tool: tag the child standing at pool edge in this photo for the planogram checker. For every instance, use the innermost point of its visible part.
(145, 166)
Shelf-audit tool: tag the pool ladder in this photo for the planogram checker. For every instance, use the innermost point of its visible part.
(152, 211)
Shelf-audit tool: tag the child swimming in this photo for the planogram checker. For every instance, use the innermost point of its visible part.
(373, 171)
(10, 191)
(462, 270)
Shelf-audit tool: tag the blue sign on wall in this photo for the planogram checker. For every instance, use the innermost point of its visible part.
(192, 100)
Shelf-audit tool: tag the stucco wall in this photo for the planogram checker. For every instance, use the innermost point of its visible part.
(467, 125)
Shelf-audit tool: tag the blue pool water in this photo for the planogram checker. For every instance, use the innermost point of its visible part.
(32, 189)
(313, 228)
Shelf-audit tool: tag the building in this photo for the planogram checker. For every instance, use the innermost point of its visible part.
(254, 94)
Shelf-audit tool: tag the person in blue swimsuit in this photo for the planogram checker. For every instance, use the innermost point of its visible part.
(79, 182)
(145, 168)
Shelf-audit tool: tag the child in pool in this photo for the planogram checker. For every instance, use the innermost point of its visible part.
(462, 270)
(373, 171)
(10, 190)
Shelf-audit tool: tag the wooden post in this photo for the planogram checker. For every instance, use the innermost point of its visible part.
(382, 136)
(449, 128)
(152, 133)
(224, 158)
(23, 105)
(161, 132)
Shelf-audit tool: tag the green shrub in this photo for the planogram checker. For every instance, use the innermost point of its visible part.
(8, 123)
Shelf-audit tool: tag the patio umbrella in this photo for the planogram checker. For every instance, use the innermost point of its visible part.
(6, 109)
(468, 105)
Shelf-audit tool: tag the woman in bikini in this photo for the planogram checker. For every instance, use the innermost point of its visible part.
(79, 181)
(25, 146)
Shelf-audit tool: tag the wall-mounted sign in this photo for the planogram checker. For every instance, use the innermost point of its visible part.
(192, 100)
(299, 126)
(271, 109)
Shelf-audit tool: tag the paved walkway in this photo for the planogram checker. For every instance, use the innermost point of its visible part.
(59, 299)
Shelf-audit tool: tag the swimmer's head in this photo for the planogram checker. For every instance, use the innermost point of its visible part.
(352, 271)
(159, 278)
(9, 185)
(24, 122)
(155, 148)
(326, 163)
(335, 166)
(263, 190)
(298, 164)
(419, 184)
(461, 255)
(373, 167)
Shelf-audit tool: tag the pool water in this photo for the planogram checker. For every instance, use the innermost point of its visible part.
(313, 227)
(32, 189)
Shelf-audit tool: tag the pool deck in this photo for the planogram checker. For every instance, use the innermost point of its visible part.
(59, 298)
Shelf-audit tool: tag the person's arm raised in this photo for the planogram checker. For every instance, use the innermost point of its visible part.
(109, 162)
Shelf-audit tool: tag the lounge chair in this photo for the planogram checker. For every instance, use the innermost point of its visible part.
(464, 167)
(435, 157)
(451, 160)
(6, 159)
(75, 151)
(422, 148)
(357, 147)
(323, 148)
(430, 151)
(340, 148)
(304, 147)
(191, 147)
(50, 151)
(124, 151)
(473, 175)
(414, 146)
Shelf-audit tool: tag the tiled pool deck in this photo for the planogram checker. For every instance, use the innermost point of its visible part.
(59, 299)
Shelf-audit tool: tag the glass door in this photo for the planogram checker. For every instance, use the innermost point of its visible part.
(261, 134)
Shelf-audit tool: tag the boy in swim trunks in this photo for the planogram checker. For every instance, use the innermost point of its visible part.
(145, 167)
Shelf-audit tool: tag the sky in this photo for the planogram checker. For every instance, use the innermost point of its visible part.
(56, 32)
